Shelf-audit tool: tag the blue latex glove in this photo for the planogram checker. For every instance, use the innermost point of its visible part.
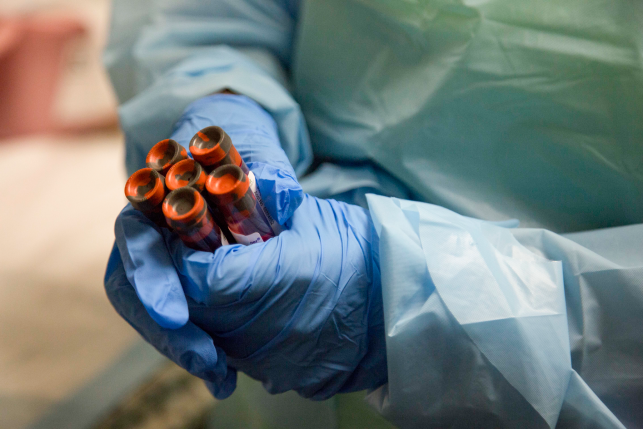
(302, 311)
(254, 134)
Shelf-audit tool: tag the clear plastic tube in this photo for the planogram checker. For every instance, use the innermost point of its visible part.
(213, 148)
(229, 188)
(187, 214)
(190, 173)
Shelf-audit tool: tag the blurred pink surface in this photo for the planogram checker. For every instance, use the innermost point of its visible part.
(31, 59)
(58, 331)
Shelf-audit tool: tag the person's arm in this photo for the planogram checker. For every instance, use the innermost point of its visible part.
(163, 55)
(301, 311)
(487, 326)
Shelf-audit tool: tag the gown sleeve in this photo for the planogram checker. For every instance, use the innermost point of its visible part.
(164, 54)
(489, 326)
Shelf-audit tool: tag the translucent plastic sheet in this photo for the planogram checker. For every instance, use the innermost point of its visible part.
(477, 324)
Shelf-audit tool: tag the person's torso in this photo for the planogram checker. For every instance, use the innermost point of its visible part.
(494, 109)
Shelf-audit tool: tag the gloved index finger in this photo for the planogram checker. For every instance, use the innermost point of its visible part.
(150, 269)
(280, 192)
(252, 130)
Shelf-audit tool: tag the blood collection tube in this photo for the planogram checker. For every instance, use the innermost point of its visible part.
(164, 154)
(187, 214)
(229, 188)
(145, 189)
(190, 173)
(187, 172)
(213, 148)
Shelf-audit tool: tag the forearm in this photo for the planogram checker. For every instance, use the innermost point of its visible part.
(150, 37)
(165, 55)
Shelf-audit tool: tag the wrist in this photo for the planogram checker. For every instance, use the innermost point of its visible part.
(371, 370)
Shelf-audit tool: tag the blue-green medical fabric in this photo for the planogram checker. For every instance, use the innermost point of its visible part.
(164, 54)
(504, 323)
(492, 108)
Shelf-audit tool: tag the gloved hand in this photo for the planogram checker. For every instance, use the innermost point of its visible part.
(302, 311)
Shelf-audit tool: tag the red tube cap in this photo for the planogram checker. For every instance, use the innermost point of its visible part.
(186, 173)
(145, 189)
(227, 184)
(164, 154)
(183, 205)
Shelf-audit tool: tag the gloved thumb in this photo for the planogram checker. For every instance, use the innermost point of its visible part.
(149, 268)
(280, 191)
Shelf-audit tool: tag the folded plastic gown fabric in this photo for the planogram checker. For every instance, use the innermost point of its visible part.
(164, 54)
(351, 184)
(603, 275)
(490, 108)
(483, 326)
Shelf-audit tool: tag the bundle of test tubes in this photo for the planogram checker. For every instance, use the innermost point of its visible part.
(209, 201)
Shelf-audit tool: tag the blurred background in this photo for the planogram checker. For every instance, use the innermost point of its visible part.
(61, 186)
(67, 360)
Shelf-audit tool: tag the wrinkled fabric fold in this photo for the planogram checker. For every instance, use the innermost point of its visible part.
(477, 323)
(492, 109)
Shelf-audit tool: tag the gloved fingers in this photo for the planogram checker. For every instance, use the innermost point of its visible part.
(252, 130)
(217, 279)
(278, 296)
(224, 389)
(189, 346)
(281, 193)
(149, 268)
(314, 245)
(244, 296)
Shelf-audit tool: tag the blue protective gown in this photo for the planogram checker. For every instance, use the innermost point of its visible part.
(493, 109)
